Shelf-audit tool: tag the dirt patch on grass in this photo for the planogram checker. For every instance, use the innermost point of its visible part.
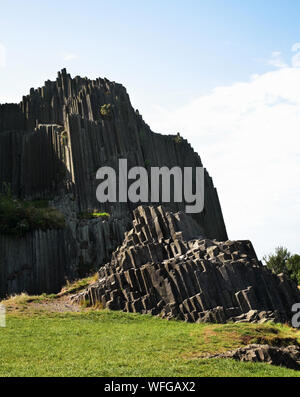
(42, 303)
(60, 305)
(59, 302)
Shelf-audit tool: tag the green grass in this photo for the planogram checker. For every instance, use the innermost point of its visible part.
(24, 299)
(100, 214)
(94, 214)
(21, 302)
(103, 343)
(78, 285)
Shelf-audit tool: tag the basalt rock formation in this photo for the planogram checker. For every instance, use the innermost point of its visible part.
(55, 140)
(51, 145)
(166, 267)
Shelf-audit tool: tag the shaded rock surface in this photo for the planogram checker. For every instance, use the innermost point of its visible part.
(42, 261)
(166, 267)
(51, 145)
(288, 357)
(36, 263)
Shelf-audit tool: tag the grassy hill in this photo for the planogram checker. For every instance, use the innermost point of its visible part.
(46, 336)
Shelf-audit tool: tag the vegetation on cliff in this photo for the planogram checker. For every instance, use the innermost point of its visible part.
(18, 217)
(91, 214)
(105, 110)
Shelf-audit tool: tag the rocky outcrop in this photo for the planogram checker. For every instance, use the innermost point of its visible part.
(288, 357)
(166, 267)
(52, 144)
(55, 140)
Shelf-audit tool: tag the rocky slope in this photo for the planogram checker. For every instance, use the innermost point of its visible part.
(166, 267)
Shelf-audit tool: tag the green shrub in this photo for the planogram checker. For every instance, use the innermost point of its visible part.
(277, 262)
(94, 214)
(283, 262)
(178, 138)
(293, 267)
(105, 110)
(40, 203)
(19, 217)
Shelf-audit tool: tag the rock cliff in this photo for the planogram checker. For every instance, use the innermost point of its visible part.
(51, 145)
(56, 139)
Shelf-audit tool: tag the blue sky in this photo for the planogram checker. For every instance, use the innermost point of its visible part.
(165, 52)
(222, 72)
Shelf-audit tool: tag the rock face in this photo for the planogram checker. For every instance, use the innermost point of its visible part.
(37, 263)
(166, 267)
(55, 140)
(52, 144)
(42, 261)
(288, 357)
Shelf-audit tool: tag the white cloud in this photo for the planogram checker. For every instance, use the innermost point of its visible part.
(296, 57)
(248, 136)
(2, 56)
(296, 60)
(276, 60)
(69, 56)
(295, 47)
